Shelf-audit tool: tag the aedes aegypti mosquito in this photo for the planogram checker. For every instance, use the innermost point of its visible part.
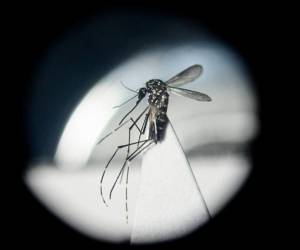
(155, 117)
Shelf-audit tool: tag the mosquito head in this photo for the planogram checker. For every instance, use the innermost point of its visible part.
(142, 92)
(155, 83)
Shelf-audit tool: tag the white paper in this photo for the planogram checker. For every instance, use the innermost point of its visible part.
(170, 203)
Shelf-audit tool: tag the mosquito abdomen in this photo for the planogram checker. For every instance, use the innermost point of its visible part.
(161, 124)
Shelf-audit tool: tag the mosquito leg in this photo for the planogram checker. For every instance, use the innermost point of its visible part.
(103, 174)
(134, 123)
(104, 137)
(127, 175)
(128, 148)
(112, 132)
(121, 146)
(129, 142)
(126, 188)
(130, 128)
(122, 104)
(104, 171)
(145, 122)
(140, 151)
(144, 126)
(124, 164)
(126, 194)
(129, 134)
(137, 103)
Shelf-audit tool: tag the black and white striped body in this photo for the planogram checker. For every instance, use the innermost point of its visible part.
(158, 99)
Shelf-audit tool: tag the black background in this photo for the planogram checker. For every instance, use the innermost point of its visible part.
(250, 220)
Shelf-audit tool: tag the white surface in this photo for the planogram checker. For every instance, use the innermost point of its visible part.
(220, 178)
(169, 203)
(74, 197)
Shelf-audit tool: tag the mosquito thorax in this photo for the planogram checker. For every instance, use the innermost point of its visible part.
(156, 87)
(155, 84)
(158, 95)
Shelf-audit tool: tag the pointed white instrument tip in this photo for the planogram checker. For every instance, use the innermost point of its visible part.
(170, 203)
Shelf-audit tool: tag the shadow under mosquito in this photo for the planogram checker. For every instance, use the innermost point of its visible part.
(219, 149)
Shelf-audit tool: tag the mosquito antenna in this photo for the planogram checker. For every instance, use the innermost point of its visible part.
(125, 102)
(128, 88)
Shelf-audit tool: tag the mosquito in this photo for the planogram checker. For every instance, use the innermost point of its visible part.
(155, 118)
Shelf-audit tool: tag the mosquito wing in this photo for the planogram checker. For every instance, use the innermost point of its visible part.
(190, 93)
(186, 76)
